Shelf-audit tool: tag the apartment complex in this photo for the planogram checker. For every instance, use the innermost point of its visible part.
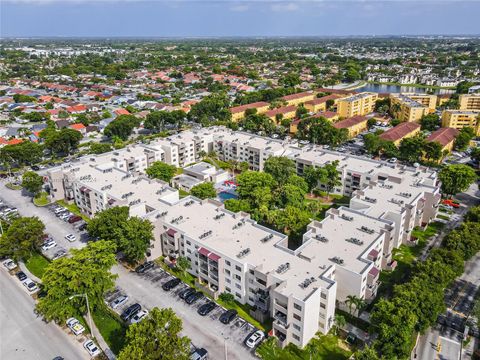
(458, 119)
(320, 104)
(299, 98)
(445, 137)
(401, 131)
(469, 101)
(354, 125)
(412, 107)
(229, 252)
(284, 112)
(238, 112)
(357, 105)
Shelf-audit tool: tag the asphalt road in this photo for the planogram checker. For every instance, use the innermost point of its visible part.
(202, 332)
(23, 335)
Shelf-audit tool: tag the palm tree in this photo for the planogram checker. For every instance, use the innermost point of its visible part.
(339, 322)
(359, 305)
(351, 300)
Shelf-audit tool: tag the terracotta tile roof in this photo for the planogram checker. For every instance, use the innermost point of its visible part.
(399, 131)
(443, 136)
(281, 110)
(14, 141)
(122, 112)
(77, 126)
(323, 99)
(297, 96)
(242, 108)
(77, 108)
(326, 114)
(350, 122)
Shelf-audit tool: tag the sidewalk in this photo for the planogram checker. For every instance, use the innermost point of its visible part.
(23, 267)
(100, 341)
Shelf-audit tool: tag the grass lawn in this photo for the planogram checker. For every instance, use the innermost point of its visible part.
(183, 193)
(324, 347)
(432, 229)
(41, 199)
(37, 264)
(111, 327)
(443, 217)
(12, 186)
(73, 209)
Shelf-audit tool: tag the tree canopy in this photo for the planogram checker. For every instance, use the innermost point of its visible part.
(204, 191)
(456, 178)
(121, 127)
(162, 171)
(280, 168)
(32, 182)
(23, 237)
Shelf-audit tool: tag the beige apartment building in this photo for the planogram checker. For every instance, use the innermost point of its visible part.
(299, 98)
(406, 109)
(238, 112)
(357, 105)
(459, 119)
(469, 101)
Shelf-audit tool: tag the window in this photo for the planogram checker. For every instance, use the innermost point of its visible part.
(227, 272)
(296, 337)
(296, 327)
(228, 281)
(238, 295)
(297, 317)
(189, 243)
(238, 286)
(238, 268)
(323, 295)
(238, 277)
(227, 289)
(251, 272)
(322, 305)
(227, 263)
(296, 306)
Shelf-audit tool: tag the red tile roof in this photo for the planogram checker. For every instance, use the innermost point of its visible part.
(444, 136)
(399, 131)
(326, 114)
(323, 99)
(281, 110)
(14, 141)
(242, 108)
(297, 96)
(122, 112)
(77, 108)
(77, 126)
(350, 122)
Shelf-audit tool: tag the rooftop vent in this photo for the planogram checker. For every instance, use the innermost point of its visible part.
(346, 217)
(243, 253)
(162, 214)
(370, 200)
(205, 234)
(337, 260)
(177, 220)
(267, 238)
(188, 203)
(306, 283)
(355, 241)
(406, 194)
(321, 238)
(367, 230)
(283, 268)
(219, 216)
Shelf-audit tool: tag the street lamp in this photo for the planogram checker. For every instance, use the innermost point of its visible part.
(88, 309)
(225, 338)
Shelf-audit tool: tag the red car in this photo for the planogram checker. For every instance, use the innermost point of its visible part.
(451, 203)
(74, 219)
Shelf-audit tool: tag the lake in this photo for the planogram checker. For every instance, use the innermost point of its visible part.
(380, 88)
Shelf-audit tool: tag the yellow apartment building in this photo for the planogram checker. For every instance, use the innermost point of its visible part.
(445, 137)
(427, 100)
(469, 101)
(357, 105)
(238, 112)
(329, 115)
(300, 98)
(287, 112)
(459, 119)
(401, 131)
(355, 125)
(320, 104)
(406, 109)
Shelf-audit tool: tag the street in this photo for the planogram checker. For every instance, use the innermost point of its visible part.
(202, 331)
(23, 335)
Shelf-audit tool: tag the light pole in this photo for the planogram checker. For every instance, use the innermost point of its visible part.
(225, 338)
(88, 309)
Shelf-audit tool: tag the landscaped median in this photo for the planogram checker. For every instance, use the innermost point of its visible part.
(37, 264)
(111, 328)
(74, 209)
(41, 199)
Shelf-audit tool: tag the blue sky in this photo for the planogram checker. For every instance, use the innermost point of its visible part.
(237, 18)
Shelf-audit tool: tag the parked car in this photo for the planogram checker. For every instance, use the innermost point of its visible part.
(144, 267)
(186, 293)
(9, 264)
(171, 284)
(138, 316)
(91, 347)
(228, 316)
(74, 219)
(450, 202)
(254, 339)
(50, 244)
(30, 284)
(206, 308)
(193, 298)
(130, 311)
(21, 275)
(199, 354)
(75, 326)
(35, 167)
(59, 254)
(119, 301)
(70, 237)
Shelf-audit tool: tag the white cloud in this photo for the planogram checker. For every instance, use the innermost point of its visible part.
(240, 7)
(284, 6)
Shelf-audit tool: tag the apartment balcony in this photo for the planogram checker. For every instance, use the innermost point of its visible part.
(371, 290)
(280, 306)
(281, 337)
(281, 320)
(391, 265)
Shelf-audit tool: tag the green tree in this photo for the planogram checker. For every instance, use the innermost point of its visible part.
(339, 322)
(32, 182)
(371, 123)
(100, 148)
(258, 122)
(312, 176)
(463, 86)
(63, 142)
(162, 171)
(23, 237)
(473, 214)
(122, 127)
(25, 153)
(280, 167)
(432, 150)
(456, 178)
(290, 80)
(367, 353)
(156, 337)
(475, 155)
(249, 181)
(463, 138)
(330, 177)
(20, 98)
(430, 122)
(132, 235)
(292, 220)
(183, 264)
(290, 194)
(204, 191)
(211, 108)
(87, 271)
(411, 148)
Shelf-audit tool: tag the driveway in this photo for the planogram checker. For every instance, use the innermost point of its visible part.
(23, 335)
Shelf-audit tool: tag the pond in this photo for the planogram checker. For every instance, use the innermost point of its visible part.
(224, 195)
(384, 88)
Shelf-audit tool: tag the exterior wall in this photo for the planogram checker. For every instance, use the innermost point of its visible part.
(459, 120)
(316, 107)
(361, 104)
(469, 102)
(240, 115)
(301, 100)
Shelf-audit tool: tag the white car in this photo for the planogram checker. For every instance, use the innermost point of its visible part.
(119, 301)
(49, 245)
(74, 325)
(254, 339)
(9, 264)
(30, 284)
(60, 253)
(139, 316)
(91, 347)
(70, 237)
(392, 160)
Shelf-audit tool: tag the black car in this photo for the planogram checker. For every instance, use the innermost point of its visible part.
(193, 298)
(21, 275)
(35, 168)
(82, 227)
(186, 293)
(206, 308)
(144, 267)
(171, 284)
(130, 311)
(228, 316)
